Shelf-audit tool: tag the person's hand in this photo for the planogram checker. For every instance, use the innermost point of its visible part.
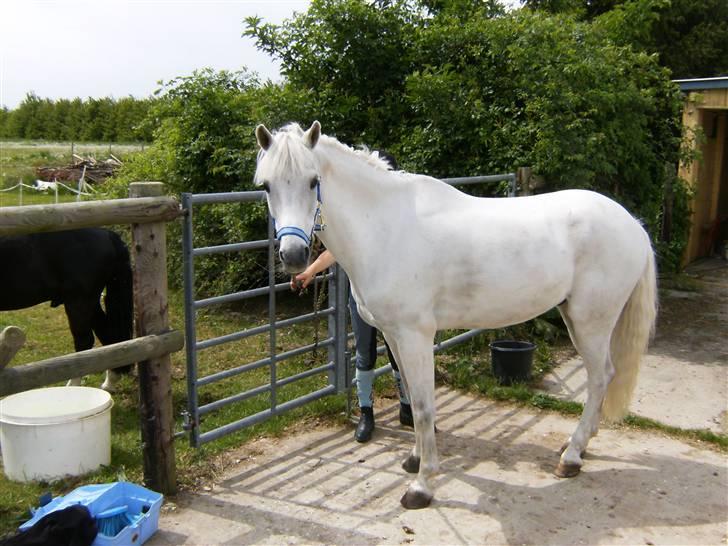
(302, 280)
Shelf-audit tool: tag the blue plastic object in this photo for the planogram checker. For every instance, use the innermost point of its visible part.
(126, 513)
(111, 522)
(45, 498)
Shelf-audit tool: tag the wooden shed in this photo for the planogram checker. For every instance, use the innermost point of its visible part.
(706, 110)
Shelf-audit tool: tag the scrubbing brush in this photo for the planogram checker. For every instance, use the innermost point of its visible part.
(111, 522)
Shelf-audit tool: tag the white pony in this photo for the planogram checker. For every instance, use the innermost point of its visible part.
(423, 256)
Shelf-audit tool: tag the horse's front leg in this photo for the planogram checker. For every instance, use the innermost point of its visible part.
(416, 358)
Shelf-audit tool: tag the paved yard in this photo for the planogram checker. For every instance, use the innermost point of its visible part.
(496, 484)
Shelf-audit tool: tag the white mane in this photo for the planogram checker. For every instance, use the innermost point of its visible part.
(363, 153)
(290, 153)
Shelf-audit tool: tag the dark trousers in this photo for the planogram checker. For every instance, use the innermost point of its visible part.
(365, 341)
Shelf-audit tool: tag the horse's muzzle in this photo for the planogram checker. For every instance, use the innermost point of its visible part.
(294, 258)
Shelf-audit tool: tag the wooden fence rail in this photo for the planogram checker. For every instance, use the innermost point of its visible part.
(37, 218)
(96, 360)
(147, 211)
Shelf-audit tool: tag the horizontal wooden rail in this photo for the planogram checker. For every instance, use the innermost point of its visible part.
(63, 216)
(52, 370)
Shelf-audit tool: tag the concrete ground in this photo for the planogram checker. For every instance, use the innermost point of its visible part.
(495, 484)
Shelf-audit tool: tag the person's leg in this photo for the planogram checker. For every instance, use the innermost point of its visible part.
(405, 410)
(365, 341)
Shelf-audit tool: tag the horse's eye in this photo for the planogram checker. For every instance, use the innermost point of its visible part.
(266, 187)
(314, 182)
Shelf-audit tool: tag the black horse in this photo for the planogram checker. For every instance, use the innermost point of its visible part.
(72, 268)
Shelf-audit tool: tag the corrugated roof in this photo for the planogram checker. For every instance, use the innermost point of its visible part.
(703, 83)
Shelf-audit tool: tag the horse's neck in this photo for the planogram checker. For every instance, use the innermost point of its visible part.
(353, 194)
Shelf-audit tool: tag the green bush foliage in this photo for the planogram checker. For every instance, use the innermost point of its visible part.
(689, 37)
(451, 87)
(549, 92)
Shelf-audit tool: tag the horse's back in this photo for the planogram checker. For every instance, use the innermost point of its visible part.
(54, 266)
(577, 219)
(505, 260)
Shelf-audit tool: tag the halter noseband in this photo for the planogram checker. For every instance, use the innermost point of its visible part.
(318, 223)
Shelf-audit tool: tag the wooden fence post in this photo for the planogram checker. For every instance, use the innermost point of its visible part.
(149, 249)
(12, 340)
(523, 180)
(668, 199)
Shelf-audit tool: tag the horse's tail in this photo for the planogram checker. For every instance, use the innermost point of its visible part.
(629, 342)
(119, 294)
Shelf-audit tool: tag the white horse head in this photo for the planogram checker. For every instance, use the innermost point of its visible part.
(288, 171)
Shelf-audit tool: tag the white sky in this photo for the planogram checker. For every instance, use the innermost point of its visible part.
(116, 48)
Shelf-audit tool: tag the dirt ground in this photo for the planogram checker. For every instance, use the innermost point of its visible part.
(496, 484)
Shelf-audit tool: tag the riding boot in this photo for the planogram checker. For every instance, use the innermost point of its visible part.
(364, 383)
(366, 425)
(405, 415)
(405, 410)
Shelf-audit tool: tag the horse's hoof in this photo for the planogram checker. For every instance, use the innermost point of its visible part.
(567, 470)
(411, 465)
(415, 500)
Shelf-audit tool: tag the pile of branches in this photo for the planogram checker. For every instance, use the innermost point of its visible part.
(84, 167)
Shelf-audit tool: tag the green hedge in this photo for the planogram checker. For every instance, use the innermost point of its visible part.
(450, 88)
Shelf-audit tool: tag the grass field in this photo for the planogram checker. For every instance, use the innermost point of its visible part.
(19, 159)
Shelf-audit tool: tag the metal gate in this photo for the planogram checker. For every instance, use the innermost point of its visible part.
(338, 366)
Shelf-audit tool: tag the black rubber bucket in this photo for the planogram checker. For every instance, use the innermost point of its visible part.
(511, 360)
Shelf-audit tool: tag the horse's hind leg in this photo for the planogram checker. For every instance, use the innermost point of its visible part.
(101, 327)
(591, 339)
(83, 317)
(83, 337)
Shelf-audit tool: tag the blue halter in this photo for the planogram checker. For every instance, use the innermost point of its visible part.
(318, 224)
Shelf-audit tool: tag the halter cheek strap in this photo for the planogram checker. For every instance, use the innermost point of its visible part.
(318, 217)
(318, 223)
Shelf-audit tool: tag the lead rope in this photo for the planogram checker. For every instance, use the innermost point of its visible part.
(316, 318)
(318, 296)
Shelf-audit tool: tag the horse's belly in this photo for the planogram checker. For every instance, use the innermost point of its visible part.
(495, 301)
(495, 312)
(23, 296)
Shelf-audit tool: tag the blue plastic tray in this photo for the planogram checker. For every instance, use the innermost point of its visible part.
(102, 497)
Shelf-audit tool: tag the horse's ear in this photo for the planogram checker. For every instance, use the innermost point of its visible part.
(265, 139)
(312, 135)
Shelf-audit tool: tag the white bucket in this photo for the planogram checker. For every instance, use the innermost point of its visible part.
(49, 433)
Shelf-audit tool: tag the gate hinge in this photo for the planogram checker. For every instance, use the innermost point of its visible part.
(187, 423)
